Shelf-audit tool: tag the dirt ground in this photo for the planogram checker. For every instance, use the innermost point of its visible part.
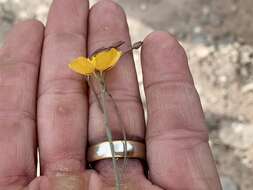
(217, 36)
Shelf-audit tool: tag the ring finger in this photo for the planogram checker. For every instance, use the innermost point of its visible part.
(107, 26)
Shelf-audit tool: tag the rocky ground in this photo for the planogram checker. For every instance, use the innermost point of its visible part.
(218, 38)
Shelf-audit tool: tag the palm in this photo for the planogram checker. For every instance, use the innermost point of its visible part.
(63, 118)
(88, 180)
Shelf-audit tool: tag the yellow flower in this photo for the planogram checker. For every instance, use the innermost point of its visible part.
(100, 62)
(83, 65)
(107, 59)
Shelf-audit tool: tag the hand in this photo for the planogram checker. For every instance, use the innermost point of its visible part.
(62, 120)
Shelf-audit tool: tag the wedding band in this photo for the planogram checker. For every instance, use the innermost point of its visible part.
(100, 151)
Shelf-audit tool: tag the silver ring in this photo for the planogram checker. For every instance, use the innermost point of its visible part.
(100, 151)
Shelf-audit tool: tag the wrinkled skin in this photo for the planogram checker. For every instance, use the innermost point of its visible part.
(44, 104)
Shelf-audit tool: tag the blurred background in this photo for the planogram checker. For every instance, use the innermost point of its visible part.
(218, 38)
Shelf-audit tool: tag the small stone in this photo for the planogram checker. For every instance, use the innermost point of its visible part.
(42, 9)
(247, 88)
(244, 72)
(215, 20)
(197, 29)
(206, 10)
(223, 79)
(172, 30)
(202, 51)
(23, 15)
(228, 184)
(247, 159)
(143, 7)
(234, 8)
(199, 38)
(237, 135)
(92, 2)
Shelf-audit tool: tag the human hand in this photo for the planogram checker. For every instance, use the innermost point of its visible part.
(62, 118)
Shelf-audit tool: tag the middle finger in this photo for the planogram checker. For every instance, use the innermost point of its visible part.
(62, 103)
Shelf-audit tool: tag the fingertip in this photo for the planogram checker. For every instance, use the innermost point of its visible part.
(108, 5)
(159, 35)
(24, 40)
(163, 58)
(112, 14)
(68, 16)
(107, 24)
(30, 23)
(32, 28)
(161, 39)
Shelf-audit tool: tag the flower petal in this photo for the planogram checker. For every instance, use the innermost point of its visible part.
(107, 59)
(83, 65)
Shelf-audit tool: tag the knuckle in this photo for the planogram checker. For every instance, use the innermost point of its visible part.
(63, 37)
(63, 86)
(184, 138)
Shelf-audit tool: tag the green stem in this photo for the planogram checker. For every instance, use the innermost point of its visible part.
(122, 130)
(94, 92)
(109, 136)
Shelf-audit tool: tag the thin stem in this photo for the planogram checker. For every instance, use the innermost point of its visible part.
(94, 92)
(123, 131)
(109, 135)
(115, 45)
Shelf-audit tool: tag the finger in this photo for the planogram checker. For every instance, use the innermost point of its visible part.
(19, 66)
(62, 104)
(107, 26)
(177, 141)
